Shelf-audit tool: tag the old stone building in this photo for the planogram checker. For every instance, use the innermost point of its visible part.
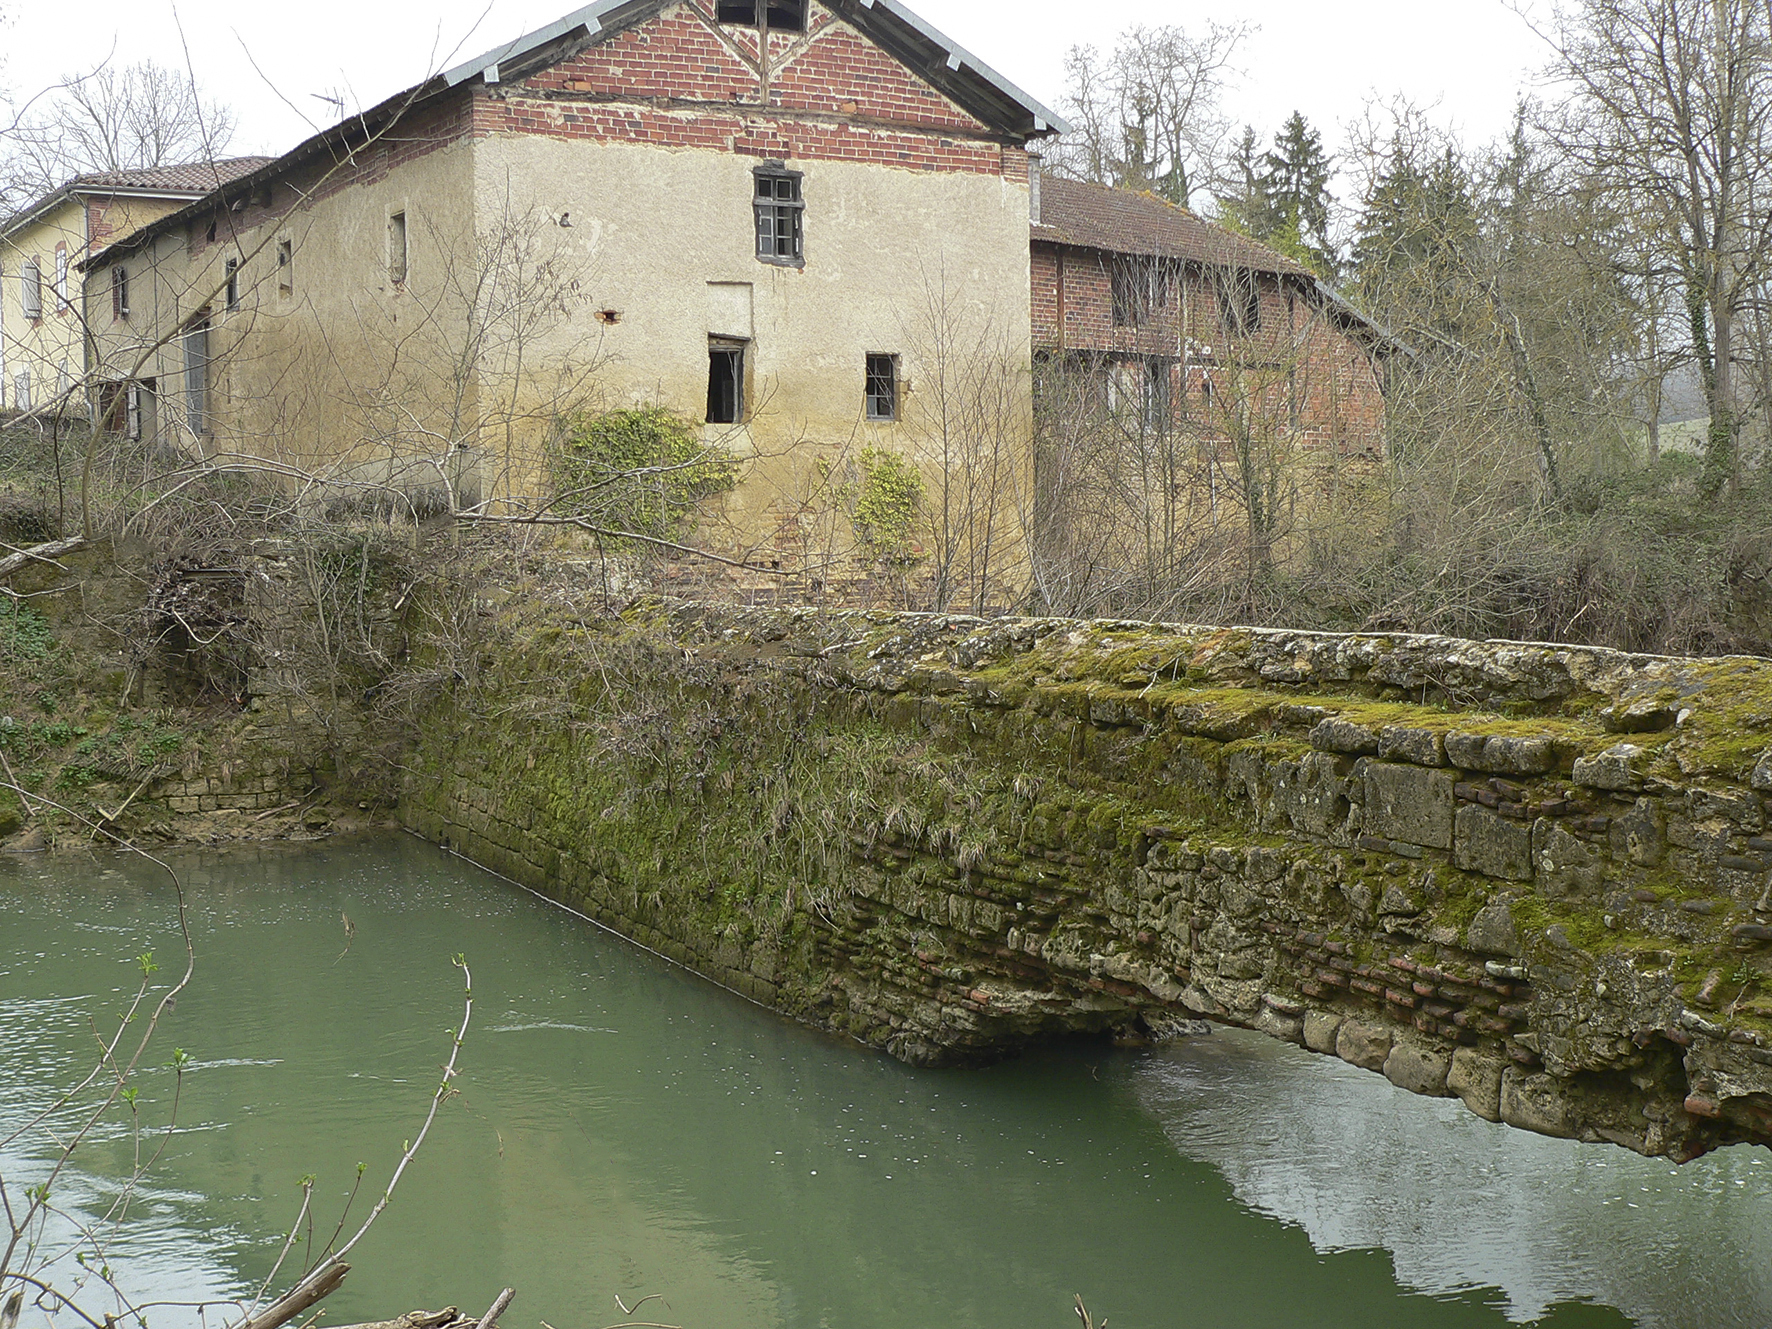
(778, 219)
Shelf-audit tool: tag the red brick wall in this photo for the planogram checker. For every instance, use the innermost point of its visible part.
(681, 81)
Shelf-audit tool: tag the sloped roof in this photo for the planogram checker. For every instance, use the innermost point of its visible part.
(943, 62)
(189, 178)
(1119, 221)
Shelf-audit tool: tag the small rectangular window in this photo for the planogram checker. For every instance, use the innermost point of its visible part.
(779, 210)
(232, 270)
(285, 267)
(725, 383)
(61, 279)
(132, 411)
(882, 387)
(782, 15)
(30, 280)
(397, 248)
(119, 292)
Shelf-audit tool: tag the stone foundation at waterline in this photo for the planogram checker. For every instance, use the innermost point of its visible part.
(1537, 878)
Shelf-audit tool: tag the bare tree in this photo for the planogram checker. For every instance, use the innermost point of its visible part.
(1672, 115)
(117, 118)
(1147, 115)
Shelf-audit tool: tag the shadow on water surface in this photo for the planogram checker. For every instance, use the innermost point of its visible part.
(626, 1128)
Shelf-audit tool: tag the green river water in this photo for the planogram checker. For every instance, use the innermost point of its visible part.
(625, 1128)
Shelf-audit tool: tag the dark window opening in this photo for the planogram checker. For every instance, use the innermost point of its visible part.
(119, 292)
(1239, 303)
(780, 211)
(1158, 410)
(209, 235)
(882, 387)
(782, 15)
(1139, 286)
(232, 270)
(725, 384)
(285, 267)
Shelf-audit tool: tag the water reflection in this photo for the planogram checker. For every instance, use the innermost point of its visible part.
(1461, 1203)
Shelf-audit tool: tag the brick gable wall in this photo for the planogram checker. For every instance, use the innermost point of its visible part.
(679, 80)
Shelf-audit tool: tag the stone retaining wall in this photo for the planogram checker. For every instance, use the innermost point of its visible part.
(1538, 878)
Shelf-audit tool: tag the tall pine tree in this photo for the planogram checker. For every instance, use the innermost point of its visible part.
(1281, 197)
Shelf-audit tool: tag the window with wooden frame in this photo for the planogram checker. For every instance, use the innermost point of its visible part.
(1138, 287)
(780, 214)
(62, 304)
(119, 293)
(882, 387)
(285, 267)
(231, 271)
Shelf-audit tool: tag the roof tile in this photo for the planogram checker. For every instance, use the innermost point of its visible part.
(190, 177)
(1119, 221)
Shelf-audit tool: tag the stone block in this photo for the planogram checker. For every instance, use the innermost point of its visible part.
(1491, 844)
(1476, 1078)
(1422, 747)
(1410, 804)
(1534, 1103)
(1419, 1069)
(1500, 754)
(1640, 835)
(1618, 768)
(1277, 1024)
(1334, 735)
(1320, 1029)
(1762, 772)
(1564, 863)
(1364, 1045)
(1492, 931)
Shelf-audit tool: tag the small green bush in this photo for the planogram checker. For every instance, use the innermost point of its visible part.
(888, 500)
(641, 471)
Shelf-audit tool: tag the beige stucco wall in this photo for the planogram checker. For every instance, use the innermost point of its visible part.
(930, 266)
(346, 373)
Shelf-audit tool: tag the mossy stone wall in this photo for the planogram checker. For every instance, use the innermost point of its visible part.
(1535, 877)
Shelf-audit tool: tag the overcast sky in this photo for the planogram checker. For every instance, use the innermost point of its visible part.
(1471, 58)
